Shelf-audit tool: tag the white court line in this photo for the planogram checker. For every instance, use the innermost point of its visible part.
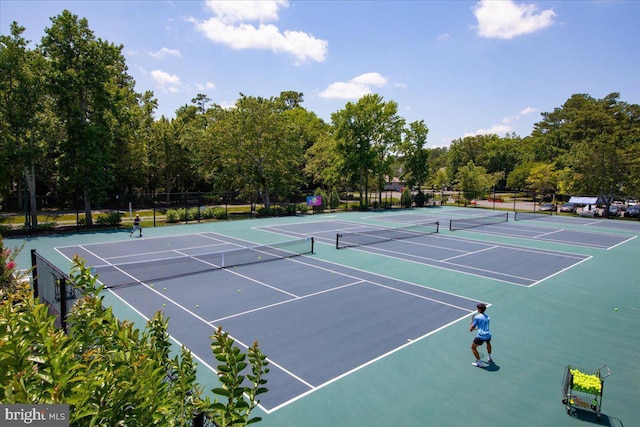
(470, 253)
(298, 298)
(242, 344)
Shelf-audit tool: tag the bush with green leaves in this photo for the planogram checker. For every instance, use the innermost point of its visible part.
(334, 199)
(213, 213)
(112, 218)
(110, 372)
(406, 198)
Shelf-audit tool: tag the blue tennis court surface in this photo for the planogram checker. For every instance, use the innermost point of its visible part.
(546, 228)
(316, 321)
(377, 334)
(508, 263)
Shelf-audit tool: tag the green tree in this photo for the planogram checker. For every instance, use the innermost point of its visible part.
(473, 180)
(596, 138)
(22, 103)
(365, 132)
(415, 154)
(259, 154)
(87, 79)
(542, 179)
(323, 163)
(517, 178)
(133, 141)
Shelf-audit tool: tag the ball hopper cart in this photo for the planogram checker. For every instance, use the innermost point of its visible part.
(582, 388)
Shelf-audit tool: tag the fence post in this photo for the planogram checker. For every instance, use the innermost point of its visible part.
(34, 273)
(62, 284)
(198, 420)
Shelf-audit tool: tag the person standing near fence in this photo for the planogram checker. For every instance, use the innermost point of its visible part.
(136, 226)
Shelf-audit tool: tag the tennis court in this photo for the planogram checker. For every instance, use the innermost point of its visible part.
(377, 334)
(508, 263)
(546, 228)
(300, 309)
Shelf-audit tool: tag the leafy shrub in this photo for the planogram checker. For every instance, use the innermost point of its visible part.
(112, 218)
(219, 213)
(173, 215)
(406, 199)
(109, 372)
(213, 213)
(334, 199)
(44, 226)
(420, 199)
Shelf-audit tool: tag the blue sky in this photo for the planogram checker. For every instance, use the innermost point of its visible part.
(464, 67)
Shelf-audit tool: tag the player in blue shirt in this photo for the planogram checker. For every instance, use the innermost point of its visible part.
(480, 322)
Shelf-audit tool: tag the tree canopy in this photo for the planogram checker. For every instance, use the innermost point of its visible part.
(73, 124)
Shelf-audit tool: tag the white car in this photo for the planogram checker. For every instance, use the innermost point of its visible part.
(631, 202)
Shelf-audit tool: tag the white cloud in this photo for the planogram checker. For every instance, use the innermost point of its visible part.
(207, 85)
(528, 110)
(228, 105)
(499, 130)
(507, 19)
(159, 54)
(505, 125)
(260, 10)
(167, 82)
(230, 27)
(443, 37)
(354, 88)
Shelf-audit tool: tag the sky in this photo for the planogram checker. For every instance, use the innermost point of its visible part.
(463, 67)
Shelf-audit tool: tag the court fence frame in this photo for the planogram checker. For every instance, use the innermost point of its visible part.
(50, 283)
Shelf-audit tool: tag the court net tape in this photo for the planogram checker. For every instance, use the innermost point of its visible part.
(378, 235)
(124, 274)
(465, 223)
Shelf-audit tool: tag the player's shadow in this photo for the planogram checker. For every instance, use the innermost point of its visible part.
(492, 367)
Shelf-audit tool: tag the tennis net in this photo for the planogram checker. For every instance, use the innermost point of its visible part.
(132, 273)
(465, 223)
(378, 235)
(521, 216)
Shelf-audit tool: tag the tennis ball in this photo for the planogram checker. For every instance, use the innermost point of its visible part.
(259, 257)
(615, 309)
(164, 305)
(239, 291)
(165, 289)
(197, 306)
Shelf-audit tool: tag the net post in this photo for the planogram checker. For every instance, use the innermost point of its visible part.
(337, 240)
(450, 225)
(34, 273)
(437, 226)
(312, 245)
